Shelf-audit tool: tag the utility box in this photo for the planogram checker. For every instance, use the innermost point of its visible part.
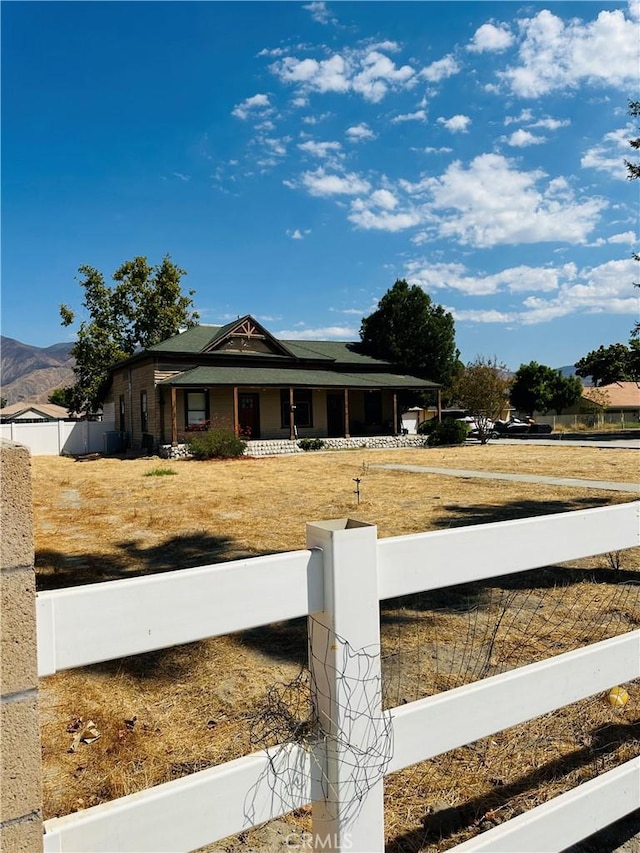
(112, 442)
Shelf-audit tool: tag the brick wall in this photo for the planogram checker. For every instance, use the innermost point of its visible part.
(20, 772)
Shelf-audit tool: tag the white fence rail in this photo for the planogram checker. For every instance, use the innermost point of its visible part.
(52, 438)
(339, 581)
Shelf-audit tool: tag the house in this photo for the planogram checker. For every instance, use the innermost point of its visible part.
(33, 413)
(619, 398)
(242, 377)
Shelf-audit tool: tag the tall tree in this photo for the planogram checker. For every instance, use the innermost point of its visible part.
(615, 363)
(538, 388)
(482, 388)
(61, 397)
(410, 330)
(144, 306)
(566, 391)
(531, 389)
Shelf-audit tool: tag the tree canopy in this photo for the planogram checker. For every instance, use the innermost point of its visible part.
(61, 397)
(410, 330)
(482, 388)
(144, 306)
(537, 387)
(615, 363)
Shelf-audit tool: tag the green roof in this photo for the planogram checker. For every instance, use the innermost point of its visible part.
(279, 377)
(195, 340)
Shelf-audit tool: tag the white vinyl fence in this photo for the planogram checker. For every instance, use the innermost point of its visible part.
(52, 438)
(339, 581)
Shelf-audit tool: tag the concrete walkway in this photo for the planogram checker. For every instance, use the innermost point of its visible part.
(602, 485)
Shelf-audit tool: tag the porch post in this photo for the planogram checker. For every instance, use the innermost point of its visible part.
(236, 421)
(292, 417)
(174, 416)
(395, 412)
(346, 413)
(439, 406)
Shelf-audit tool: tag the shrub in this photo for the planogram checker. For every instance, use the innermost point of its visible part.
(216, 444)
(427, 427)
(311, 444)
(448, 432)
(159, 472)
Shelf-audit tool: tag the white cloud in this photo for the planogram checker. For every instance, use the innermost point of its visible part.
(256, 105)
(419, 115)
(456, 124)
(609, 155)
(297, 234)
(605, 288)
(491, 203)
(551, 123)
(319, 12)
(384, 199)
(455, 276)
(185, 178)
(324, 150)
(440, 70)
(339, 333)
(378, 74)
(628, 237)
(376, 213)
(442, 150)
(360, 132)
(479, 315)
(525, 116)
(367, 72)
(522, 138)
(319, 183)
(554, 55)
(489, 37)
(315, 119)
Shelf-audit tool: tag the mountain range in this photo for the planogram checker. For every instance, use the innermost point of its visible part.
(31, 373)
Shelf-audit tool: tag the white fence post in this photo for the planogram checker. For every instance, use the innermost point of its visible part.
(344, 659)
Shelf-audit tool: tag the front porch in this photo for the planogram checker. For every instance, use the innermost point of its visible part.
(281, 414)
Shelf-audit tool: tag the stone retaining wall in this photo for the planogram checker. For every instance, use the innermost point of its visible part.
(277, 448)
(20, 773)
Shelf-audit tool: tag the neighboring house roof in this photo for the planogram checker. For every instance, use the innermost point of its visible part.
(274, 376)
(45, 411)
(622, 395)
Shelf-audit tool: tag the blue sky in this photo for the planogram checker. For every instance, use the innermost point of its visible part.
(297, 158)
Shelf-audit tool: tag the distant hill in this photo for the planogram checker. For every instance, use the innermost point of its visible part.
(31, 373)
(570, 370)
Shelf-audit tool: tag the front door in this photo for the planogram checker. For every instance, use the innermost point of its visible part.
(335, 415)
(249, 415)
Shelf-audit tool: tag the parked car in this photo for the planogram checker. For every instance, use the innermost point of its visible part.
(518, 426)
(474, 428)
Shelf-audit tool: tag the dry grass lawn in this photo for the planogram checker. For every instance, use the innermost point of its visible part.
(172, 712)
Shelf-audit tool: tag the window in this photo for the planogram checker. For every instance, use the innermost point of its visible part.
(373, 408)
(302, 400)
(196, 408)
(122, 414)
(144, 412)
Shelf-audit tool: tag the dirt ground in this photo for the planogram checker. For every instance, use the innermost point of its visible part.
(162, 715)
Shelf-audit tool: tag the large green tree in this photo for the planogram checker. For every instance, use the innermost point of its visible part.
(144, 306)
(410, 330)
(615, 363)
(482, 388)
(61, 397)
(539, 388)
